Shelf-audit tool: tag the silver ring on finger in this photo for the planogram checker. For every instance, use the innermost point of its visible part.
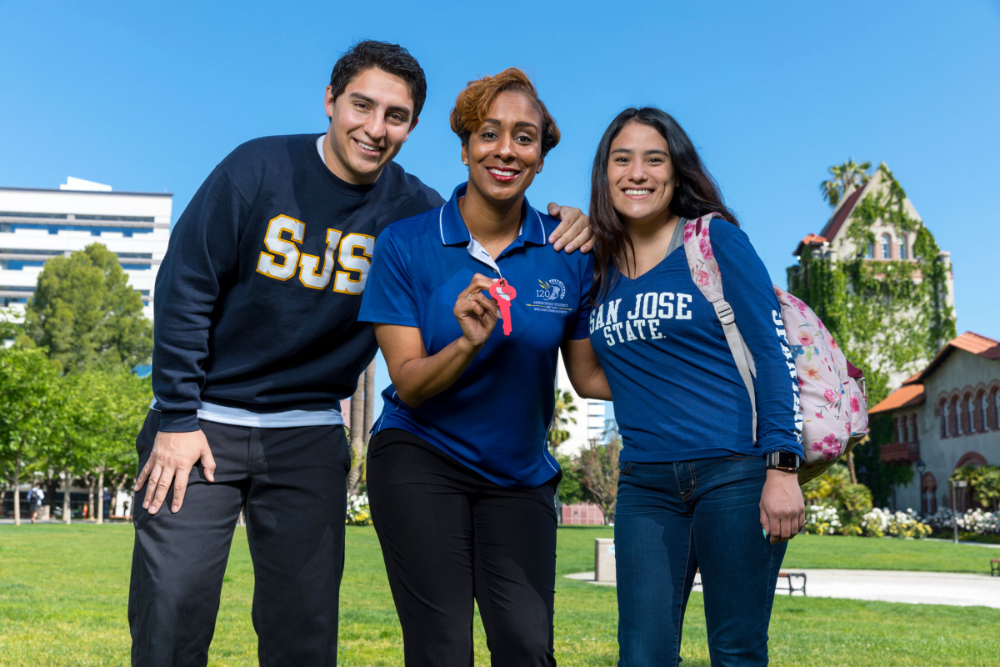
(470, 296)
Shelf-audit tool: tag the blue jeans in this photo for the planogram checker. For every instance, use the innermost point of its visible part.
(673, 519)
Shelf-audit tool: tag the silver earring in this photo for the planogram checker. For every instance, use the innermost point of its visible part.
(465, 162)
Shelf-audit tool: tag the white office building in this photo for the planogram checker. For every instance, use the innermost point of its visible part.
(39, 224)
(589, 416)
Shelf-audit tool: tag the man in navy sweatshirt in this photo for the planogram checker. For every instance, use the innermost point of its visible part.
(256, 343)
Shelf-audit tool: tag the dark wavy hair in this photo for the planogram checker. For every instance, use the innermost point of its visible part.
(695, 195)
(390, 58)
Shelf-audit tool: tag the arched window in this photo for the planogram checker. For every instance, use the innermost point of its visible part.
(984, 410)
(913, 427)
(945, 420)
(928, 491)
(978, 413)
(955, 423)
(995, 408)
(968, 418)
(904, 252)
(870, 254)
(886, 246)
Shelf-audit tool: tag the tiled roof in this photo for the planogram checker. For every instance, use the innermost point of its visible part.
(810, 239)
(906, 396)
(836, 221)
(970, 342)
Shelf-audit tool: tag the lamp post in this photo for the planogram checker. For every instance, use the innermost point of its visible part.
(959, 484)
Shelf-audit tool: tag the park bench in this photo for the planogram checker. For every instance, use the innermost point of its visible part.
(994, 567)
(791, 578)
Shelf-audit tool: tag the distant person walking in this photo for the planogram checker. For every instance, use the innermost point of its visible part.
(35, 498)
(701, 471)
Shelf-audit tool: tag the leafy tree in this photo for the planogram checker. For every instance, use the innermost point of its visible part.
(570, 489)
(560, 419)
(984, 482)
(598, 468)
(86, 314)
(834, 488)
(28, 394)
(100, 414)
(849, 174)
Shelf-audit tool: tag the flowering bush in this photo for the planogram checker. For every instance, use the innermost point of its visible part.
(358, 513)
(881, 522)
(977, 521)
(822, 520)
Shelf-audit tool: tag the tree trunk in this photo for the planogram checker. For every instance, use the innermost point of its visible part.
(67, 483)
(369, 400)
(91, 482)
(850, 467)
(100, 500)
(17, 494)
(357, 436)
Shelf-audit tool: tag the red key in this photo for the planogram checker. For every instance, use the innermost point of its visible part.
(504, 293)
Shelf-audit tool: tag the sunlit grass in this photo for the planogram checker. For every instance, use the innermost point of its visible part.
(63, 592)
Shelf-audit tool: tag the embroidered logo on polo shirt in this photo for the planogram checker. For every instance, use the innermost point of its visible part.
(550, 297)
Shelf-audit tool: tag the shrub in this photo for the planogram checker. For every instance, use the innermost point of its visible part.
(358, 512)
(881, 522)
(834, 489)
(822, 520)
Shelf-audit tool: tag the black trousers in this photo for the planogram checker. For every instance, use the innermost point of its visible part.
(293, 484)
(449, 536)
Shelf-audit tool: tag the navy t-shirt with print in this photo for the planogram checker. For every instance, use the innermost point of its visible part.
(678, 395)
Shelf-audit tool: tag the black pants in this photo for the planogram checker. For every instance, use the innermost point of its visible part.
(293, 483)
(449, 536)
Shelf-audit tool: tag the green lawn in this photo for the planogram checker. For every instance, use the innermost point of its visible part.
(873, 553)
(63, 596)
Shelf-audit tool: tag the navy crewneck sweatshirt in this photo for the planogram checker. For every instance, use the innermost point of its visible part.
(257, 298)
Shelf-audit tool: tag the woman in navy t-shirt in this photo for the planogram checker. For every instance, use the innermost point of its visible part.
(697, 484)
(460, 479)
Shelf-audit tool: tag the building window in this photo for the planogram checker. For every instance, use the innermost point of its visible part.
(945, 420)
(984, 411)
(956, 417)
(904, 252)
(969, 418)
(886, 246)
(996, 409)
(870, 253)
(913, 427)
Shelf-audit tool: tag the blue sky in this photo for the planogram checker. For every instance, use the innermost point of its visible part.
(150, 96)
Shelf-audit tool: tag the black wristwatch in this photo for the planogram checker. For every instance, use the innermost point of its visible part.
(785, 461)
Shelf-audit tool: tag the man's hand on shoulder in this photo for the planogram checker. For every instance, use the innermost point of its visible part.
(573, 231)
(173, 456)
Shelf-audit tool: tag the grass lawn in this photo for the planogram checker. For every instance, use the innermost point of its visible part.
(874, 553)
(63, 596)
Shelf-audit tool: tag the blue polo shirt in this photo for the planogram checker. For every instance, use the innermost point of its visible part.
(494, 419)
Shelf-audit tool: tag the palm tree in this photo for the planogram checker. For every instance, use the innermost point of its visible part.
(560, 418)
(849, 175)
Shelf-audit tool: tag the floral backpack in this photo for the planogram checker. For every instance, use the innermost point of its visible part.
(831, 390)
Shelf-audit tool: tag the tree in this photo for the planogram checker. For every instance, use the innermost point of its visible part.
(27, 394)
(86, 314)
(570, 489)
(848, 175)
(560, 419)
(598, 467)
(102, 412)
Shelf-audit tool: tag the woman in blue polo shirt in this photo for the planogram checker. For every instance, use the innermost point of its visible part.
(460, 481)
(701, 473)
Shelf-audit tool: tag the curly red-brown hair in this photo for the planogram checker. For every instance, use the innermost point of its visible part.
(473, 105)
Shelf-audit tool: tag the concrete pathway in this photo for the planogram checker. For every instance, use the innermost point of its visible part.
(960, 590)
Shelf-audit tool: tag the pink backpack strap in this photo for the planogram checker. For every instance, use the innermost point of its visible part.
(706, 275)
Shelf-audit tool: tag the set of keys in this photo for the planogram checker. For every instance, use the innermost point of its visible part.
(504, 293)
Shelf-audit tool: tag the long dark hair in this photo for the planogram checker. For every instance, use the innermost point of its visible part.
(696, 194)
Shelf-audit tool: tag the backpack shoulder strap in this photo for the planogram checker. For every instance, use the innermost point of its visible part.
(706, 275)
